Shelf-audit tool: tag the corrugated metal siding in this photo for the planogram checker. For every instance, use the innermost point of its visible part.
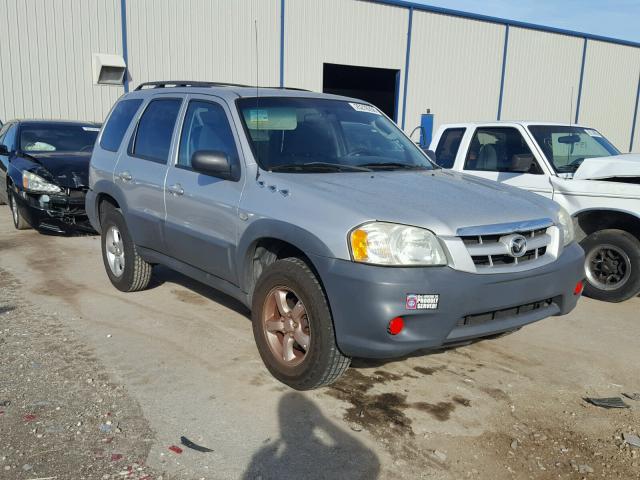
(343, 32)
(210, 40)
(542, 76)
(46, 57)
(609, 90)
(635, 148)
(455, 69)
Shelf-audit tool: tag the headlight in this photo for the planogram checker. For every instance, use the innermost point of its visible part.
(382, 243)
(36, 184)
(565, 222)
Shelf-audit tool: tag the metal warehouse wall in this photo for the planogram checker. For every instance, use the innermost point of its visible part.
(454, 69)
(343, 32)
(203, 40)
(542, 76)
(46, 55)
(609, 90)
(461, 66)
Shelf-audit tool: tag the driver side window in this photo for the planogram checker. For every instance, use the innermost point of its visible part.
(500, 149)
(206, 127)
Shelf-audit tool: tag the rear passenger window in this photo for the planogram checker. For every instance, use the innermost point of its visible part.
(206, 127)
(448, 146)
(155, 129)
(117, 125)
(500, 149)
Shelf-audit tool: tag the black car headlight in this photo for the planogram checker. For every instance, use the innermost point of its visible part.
(33, 183)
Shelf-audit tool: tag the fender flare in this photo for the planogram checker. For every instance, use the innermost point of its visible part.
(266, 228)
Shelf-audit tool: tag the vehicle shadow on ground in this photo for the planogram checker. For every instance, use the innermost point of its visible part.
(310, 447)
(162, 275)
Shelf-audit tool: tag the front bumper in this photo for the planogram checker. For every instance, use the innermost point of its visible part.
(62, 213)
(363, 298)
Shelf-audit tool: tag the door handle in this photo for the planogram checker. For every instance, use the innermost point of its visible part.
(176, 189)
(125, 176)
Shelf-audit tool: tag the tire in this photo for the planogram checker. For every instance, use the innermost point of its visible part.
(135, 273)
(19, 221)
(321, 363)
(612, 265)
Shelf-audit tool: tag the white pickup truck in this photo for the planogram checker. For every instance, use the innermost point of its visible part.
(573, 165)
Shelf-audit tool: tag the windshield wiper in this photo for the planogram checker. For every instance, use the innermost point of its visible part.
(392, 165)
(319, 166)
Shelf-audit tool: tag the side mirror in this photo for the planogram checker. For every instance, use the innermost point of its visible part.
(212, 162)
(432, 155)
(4, 150)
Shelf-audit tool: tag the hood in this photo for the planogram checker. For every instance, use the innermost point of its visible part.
(627, 165)
(439, 200)
(68, 169)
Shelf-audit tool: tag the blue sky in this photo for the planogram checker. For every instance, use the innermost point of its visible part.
(610, 18)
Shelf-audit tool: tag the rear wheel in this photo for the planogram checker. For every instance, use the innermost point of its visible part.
(612, 265)
(293, 327)
(18, 220)
(127, 271)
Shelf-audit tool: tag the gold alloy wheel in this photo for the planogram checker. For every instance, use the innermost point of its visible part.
(286, 326)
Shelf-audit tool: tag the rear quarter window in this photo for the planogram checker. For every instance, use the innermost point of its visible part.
(118, 123)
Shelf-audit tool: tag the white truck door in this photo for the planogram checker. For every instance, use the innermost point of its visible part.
(503, 154)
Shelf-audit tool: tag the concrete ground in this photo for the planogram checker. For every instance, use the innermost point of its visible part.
(179, 360)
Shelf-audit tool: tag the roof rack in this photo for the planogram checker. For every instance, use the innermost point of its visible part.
(189, 83)
(186, 83)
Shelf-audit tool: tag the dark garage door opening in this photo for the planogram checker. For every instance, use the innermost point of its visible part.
(376, 85)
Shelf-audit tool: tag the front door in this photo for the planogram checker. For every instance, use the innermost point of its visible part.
(202, 210)
(502, 154)
(142, 168)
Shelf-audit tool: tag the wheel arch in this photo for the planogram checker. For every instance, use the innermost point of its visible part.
(591, 220)
(266, 241)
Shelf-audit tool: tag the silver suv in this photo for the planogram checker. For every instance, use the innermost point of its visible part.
(321, 216)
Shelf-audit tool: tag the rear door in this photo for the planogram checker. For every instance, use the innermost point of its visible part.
(141, 170)
(503, 154)
(202, 210)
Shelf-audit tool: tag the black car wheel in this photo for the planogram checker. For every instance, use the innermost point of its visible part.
(293, 327)
(18, 220)
(612, 265)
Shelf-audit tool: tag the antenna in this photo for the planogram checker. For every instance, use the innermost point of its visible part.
(257, 150)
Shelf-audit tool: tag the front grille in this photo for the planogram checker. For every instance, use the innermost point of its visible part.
(486, 317)
(488, 251)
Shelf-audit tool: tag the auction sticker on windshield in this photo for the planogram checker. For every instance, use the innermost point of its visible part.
(361, 107)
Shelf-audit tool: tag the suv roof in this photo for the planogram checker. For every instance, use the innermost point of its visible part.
(229, 91)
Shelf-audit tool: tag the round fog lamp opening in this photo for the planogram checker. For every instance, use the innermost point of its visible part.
(395, 326)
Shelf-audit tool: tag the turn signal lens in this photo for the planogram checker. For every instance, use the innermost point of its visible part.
(395, 326)
(579, 288)
(359, 245)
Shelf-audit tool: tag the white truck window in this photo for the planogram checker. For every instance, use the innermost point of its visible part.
(500, 149)
(448, 146)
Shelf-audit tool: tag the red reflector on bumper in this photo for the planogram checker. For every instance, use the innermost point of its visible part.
(579, 288)
(395, 326)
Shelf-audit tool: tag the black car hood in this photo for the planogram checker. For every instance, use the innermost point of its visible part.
(67, 170)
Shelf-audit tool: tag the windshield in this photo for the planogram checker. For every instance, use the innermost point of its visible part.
(566, 147)
(51, 137)
(317, 135)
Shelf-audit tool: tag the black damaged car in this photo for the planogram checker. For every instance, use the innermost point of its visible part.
(44, 173)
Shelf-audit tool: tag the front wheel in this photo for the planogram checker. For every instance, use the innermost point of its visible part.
(293, 327)
(612, 265)
(18, 220)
